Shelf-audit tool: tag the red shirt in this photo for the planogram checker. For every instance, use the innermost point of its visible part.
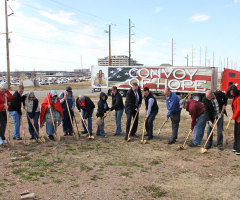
(2, 99)
(236, 108)
(195, 109)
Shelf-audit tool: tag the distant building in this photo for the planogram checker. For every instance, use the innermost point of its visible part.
(118, 61)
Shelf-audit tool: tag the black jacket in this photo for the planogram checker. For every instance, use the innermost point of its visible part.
(131, 100)
(102, 105)
(208, 106)
(16, 103)
(88, 107)
(117, 102)
(154, 108)
(35, 105)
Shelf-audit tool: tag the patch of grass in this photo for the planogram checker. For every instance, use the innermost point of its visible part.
(84, 167)
(30, 150)
(156, 192)
(47, 153)
(24, 159)
(2, 185)
(126, 174)
(95, 177)
(155, 162)
(19, 171)
(57, 180)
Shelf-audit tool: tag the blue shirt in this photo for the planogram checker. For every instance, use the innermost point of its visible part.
(172, 104)
(150, 104)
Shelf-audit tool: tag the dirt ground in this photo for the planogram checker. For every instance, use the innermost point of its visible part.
(111, 168)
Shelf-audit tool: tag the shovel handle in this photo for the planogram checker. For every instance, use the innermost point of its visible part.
(189, 133)
(132, 123)
(212, 130)
(189, 93)
(51, 114)
(84, 123)
(69, 115)
(32, 124)
(229, 124)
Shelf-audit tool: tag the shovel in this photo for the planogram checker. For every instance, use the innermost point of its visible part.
(85, 124)
(39, 139)
(24, 136)
(101, 120)
(76, 124)
(58, 138)
(204, 150)
(75, 134)
(128, 139)
(10, 141)
(161, 128)
(182, 146)
(142, 140)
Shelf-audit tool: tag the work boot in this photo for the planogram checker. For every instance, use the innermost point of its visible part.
(171, 141)
(51, 137)
(191, 144)
(84, 132)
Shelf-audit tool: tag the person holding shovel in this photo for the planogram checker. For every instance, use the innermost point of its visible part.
(214, 104)
(102, 109)
(151, 108)
(67, 97)
(235, 94)
(5, 97)
(196, 110)
(51, 112)
(132, 105)
(86, 106)
(174, 112)
(15, 110)
(32, 107)
(118, 106)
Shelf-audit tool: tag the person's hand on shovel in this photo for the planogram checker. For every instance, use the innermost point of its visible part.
(210, 123)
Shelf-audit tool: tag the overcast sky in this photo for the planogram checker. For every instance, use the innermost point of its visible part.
(55, 34)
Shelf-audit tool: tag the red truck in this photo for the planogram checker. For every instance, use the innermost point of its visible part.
(181, 80)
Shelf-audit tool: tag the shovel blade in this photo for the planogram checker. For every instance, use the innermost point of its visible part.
(203, 150)
(180, 148)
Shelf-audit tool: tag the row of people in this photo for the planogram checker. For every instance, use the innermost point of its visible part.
(58, 108)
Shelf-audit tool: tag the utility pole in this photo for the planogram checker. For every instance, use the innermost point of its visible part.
(172, 51)
(187, 59)
(129, 56)
(227, 62)
(109, 59)
(7, 46)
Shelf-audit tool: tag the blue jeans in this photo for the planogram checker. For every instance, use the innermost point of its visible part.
(199, 129)
(50, 128)
(219, 134)
(16, 119)
(35, 123)
(118, 120)
(67, 125)
(100, 130)
(89, 122)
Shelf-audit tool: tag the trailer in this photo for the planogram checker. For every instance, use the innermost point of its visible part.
(180, 80)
